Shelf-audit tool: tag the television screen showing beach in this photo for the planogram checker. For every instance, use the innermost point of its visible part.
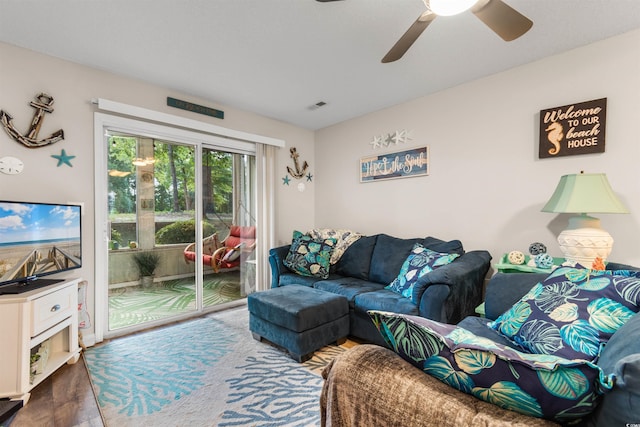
(38, 239)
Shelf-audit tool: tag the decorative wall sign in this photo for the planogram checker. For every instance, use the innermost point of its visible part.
(399, 136)
(299, 171)
(573, 129)
(42, 104)
(401, 164)
(195, 108)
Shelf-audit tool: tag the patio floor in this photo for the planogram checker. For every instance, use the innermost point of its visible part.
(136, 304)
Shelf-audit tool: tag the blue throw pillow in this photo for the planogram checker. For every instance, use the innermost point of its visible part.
(308, 256)
(538, 385)
(420, 262)
(572, 313)
(356, 260)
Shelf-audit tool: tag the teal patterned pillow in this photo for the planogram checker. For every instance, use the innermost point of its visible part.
(420, 262)
(308, 256)
(572, 313)
(344, 239)
(538, 385)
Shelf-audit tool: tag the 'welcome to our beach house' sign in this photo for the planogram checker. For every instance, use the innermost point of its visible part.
(400, 164)
(573, 129)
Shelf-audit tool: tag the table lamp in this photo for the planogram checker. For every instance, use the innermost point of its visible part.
(584, 240)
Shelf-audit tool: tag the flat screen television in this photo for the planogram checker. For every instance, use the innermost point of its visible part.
(36, 240)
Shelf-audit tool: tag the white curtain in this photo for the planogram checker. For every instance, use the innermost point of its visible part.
(265, 230)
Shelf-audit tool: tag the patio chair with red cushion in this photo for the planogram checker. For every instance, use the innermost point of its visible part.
(229, 253)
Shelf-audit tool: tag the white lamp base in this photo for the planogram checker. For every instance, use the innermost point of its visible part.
(584, 241)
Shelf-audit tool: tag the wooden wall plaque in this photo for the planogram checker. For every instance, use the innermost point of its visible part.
(573, 129)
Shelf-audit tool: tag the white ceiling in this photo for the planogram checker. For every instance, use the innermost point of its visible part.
(279, 57)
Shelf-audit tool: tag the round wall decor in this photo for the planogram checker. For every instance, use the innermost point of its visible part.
(11, 165)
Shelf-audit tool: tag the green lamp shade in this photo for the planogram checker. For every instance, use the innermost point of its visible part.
(584, 193)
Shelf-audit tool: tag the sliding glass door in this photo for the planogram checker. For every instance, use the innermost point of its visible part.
(181, 229)
(229, 216)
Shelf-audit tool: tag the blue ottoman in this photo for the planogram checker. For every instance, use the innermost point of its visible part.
(298, 318)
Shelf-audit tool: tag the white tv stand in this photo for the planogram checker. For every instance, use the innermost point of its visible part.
(26, 321)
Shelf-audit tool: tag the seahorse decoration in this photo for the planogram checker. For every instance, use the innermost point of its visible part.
(42, 104)
(297, 172)
(555, 135)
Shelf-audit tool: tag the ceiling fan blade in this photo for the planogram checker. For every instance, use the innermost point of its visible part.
(410, 36)
(504, 20)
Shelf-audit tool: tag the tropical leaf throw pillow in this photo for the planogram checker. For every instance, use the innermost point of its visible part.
(308, 256)
(420, 262)
(572, 313)
(538, 385)
(344, 239)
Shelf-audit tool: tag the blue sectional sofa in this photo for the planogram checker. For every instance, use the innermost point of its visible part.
(364, 385)
(446, 294)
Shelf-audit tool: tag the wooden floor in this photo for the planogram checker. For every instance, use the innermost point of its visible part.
(65, 399)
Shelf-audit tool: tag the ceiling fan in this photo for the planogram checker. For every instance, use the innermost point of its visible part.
(501, 18)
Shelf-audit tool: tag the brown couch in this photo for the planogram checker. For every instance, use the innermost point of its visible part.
(362, 388)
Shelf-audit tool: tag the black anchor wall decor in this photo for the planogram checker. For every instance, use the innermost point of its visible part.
(42, 104)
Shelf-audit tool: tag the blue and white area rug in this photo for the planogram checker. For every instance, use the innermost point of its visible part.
(205, 372)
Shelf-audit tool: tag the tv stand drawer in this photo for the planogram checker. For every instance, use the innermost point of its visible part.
(52, 308)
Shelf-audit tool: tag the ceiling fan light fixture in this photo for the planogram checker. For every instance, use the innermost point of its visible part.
(450, 7)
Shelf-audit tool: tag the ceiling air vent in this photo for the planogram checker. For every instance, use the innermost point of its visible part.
(317, 105)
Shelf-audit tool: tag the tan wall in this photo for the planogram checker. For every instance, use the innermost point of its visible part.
(25, 73)
(487, 185)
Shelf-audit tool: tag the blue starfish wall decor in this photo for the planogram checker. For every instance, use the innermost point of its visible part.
(63, 158)
(286, 180)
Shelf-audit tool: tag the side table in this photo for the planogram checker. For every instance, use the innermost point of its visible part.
(504, 266)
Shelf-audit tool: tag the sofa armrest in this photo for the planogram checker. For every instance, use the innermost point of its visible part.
(621, 357)
(276, 261)
(433, 303)
(370, 385)
(505, 289)
(464, 277)
(618, 266)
